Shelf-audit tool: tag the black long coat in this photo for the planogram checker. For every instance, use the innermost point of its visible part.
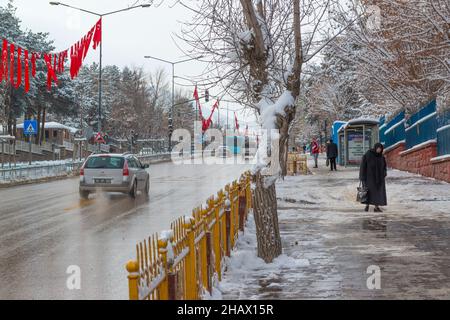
(372, 173)
(332, 150)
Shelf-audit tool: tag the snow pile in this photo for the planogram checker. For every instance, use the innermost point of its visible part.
(269, 112)
(244, 266)
(54, 125)
(245, 36)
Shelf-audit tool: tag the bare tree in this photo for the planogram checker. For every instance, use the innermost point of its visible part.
(255, 52)
(402, 59)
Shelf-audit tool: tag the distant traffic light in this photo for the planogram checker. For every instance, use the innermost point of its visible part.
(206, 95)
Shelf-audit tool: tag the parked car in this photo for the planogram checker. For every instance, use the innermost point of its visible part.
(114, 173)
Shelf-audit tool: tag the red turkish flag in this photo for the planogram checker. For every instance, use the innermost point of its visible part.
(97, 34)
(27, 72)
(196, 94)
(4, 61)
(16, 84)
(51, 75)
(236, 122)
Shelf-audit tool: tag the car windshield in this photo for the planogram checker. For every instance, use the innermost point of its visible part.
(105, 163)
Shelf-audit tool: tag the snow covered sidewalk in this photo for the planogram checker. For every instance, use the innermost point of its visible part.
(329, 242)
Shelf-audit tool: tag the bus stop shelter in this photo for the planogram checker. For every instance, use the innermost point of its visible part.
(356, 137)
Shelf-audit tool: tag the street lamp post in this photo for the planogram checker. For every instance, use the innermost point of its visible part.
(101, 15)
(173, 63)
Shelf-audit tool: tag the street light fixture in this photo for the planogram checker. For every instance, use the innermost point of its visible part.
(173, 63)
(101, 15)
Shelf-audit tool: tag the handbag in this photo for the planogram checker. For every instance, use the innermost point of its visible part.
(362, 195)
(328, 162)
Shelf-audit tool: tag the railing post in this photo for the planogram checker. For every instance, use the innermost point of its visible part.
(235, 215)
(190, 266)
(242, 204)
(170, 273)
(209, 264)
(204, 249)
(217, 235)
(172, 282)
(228, 226)
(249, 190)
(133, 279)
(164, 286)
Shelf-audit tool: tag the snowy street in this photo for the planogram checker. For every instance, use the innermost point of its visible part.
(45, 228)
(225, 150)
(329, 242)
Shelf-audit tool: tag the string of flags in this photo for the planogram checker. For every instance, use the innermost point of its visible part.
(55, 62)
(206, 123)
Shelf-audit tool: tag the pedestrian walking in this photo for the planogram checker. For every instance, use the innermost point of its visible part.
(304, 148)
(372, 174)
(315, 150)
(332, 153)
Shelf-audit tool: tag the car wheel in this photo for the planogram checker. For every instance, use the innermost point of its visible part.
(84, 195)
(133, 192)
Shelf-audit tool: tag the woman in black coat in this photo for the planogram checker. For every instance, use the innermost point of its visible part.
(372, 174)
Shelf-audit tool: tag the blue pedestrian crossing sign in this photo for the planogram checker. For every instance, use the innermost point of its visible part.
(30, 127)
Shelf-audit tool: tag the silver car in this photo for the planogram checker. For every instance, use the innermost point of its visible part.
(113, 173)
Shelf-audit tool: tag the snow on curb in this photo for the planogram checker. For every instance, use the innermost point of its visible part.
(245, 264)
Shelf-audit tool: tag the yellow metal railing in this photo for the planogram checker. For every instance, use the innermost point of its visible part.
(184, 262)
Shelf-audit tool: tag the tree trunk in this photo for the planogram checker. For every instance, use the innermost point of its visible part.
(38, 136)
(42, 126)
(266, 219)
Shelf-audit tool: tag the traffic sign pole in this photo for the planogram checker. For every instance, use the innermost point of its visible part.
(30, 154)
(29, 129)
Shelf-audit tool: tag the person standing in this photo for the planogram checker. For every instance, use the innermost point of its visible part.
(332, 153)
(315, 150)
(372, 173)
(304, 148)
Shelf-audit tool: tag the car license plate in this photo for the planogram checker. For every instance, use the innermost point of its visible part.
(102, 181)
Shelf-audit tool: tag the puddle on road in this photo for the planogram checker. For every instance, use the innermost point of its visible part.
(374, 225)
(430, 200)
(290, 200)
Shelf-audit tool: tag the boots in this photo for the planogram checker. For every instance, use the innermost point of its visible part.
(377, 209)
(366, 209)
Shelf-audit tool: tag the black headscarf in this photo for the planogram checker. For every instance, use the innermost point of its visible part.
(376, 146)
(379, 165)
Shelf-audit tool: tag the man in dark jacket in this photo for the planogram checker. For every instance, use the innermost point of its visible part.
(372, 174)
(332, 153)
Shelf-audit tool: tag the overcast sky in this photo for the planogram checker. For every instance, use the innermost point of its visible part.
(127, 36)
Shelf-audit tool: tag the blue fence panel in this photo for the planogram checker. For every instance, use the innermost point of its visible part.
(443, 133)
(422, 126)
(394, 131)
(382, 129)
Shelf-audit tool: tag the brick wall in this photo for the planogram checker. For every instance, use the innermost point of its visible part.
(393, 158)
(419, 161)
(442, 170)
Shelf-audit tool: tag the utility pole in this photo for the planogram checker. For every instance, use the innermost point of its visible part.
(101, 15)
(227, 114)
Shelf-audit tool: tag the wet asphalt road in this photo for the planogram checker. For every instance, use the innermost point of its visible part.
(45, 228)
